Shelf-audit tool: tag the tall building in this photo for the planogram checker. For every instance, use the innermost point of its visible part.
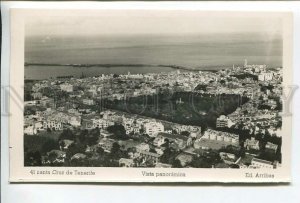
(246, 63)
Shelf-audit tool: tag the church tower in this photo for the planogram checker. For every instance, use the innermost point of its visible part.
(246, 63)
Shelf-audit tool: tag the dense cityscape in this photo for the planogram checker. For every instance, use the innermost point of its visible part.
(230, 118)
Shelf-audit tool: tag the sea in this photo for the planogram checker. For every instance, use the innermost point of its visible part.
(155, 52)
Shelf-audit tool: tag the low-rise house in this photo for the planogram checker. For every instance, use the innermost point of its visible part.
(37, 95)
(228, 158)
(270, 147)
(30, 130)
(251, 144)
(66, 87)
(53, 124)
(180, 140)
(73, 111)
(30, 103)
(92, 148)
(101, 123)
(78, 156)
(126, 162)
(39, 126)
(105, 133)
(265, 76)
(148, 155)
(143, 147)
(216, 140)
(75, 121)
(136, 129)
(260, 163)
(106, 144)
(87, 124)
(163, 165)
(160, 150)
(64, 144)
(88, 102)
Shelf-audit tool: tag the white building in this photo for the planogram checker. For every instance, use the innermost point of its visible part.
(30, 130)
(143, 147)
(53, 124)
(223, 122)
(75, 121)
(259, 163)
(265, 76)
(102, 123)
(88, 101)
(126, 162)
(221, 136)
(66, 87)
(39, 126)
(251, 144)
(216, 140)
(153, 128)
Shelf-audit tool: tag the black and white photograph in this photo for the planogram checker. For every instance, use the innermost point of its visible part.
(159, 89)
(150, 101)
(170, 90)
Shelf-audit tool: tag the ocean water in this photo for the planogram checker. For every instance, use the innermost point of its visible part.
(203, 52)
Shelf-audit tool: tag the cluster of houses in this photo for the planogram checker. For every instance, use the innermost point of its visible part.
(152, 151)
(253, 144)
(176, 136)
(50, 120)
(213, 139)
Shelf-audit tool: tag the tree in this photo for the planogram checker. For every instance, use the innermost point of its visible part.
(185, 133)
(75, 148)
(118, 130)
(62, 144)
(176, 164)
(52, 157)
(93, 137)
(142, 131)
(33, 158)
(200, 163)
(49, 145)
(152, 150)
(231, 149)
(100, 151)
(67, 134)
(166, 144)
(82, 135)
(115, 152)
(168, 156)
(206, 161)
(79, 162)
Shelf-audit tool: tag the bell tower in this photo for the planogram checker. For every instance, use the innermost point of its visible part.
(246, 63)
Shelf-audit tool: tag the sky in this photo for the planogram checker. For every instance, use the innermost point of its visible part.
(118, 22)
